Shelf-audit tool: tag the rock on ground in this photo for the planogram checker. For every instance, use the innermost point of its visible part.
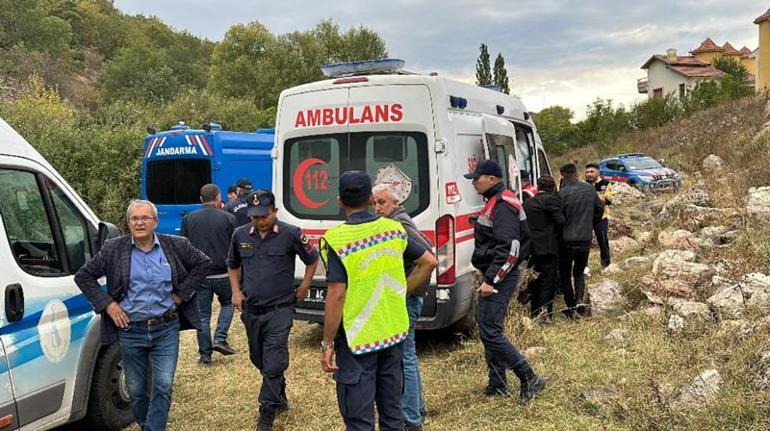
(732, 300)
(612, 268)
(637, 263)
(693, 311)
(703, 388)
(758, 204)
(623, 194)
(678, 239)
(697, 195)
(623, 245)
(606, 297)
(713, 163)
(676, 323)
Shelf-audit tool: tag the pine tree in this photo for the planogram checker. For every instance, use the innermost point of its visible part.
(501, 75)
(483, 70)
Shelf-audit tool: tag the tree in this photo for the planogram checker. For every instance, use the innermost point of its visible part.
(733, 84)
(554, 125)
(483, 70)
(603, 124)
(139, 72)
(501, 75)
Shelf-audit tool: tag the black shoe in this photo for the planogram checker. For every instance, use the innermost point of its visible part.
(204, 362)
(223, 348)
(282, 408)
(530, 387)
(266, 419)
(413, 428)
(496, 391)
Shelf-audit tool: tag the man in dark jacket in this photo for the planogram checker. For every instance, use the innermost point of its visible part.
(152, 280)
(238, 207)
(501, 240)
(544, 217)
(581, 207)
(209, 230)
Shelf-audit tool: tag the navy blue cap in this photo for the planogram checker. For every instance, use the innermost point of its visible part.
(355, 185)
(485, 167)
(244, 183)
(259, 203)
(232, 188)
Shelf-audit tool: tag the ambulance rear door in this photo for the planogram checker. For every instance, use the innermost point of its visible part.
(499, 135)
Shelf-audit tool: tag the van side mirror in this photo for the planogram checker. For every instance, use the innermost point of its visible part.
(106, 231)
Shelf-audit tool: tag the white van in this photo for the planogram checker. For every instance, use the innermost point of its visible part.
(421, 134)
(53, 369)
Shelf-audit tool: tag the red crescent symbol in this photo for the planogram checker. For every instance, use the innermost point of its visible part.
(299, 192)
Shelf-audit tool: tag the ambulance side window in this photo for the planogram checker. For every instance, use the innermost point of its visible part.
(525, 144)
(542, 163)
(502, 151)
(28, 225)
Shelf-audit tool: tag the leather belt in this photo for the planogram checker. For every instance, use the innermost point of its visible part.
(168, 317)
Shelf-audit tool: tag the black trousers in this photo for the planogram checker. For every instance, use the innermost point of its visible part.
(364, 381)
(603, 239)
(542, 290)
(268, 335)
(572, 262)
(499, 353)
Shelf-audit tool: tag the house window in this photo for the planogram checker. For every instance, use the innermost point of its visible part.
(657, 93)
(682, 90)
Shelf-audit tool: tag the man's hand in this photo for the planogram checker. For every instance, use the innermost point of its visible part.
(302, 291)
(237, 300)
(177, 299)
(327, 361)
(486, 289)
(118, 316)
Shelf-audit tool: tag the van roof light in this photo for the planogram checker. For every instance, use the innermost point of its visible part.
(151, 130)
(367, 67)
(180, 126)
(351, 80)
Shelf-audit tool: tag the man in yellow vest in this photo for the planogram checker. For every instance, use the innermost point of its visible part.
(365, 319)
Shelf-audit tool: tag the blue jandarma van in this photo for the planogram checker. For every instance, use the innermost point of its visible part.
(53, 368)
(178, 162)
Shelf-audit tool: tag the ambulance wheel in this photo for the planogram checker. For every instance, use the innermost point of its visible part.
(109, 405)
(467, 324)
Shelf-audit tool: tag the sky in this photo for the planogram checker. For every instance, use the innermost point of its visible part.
(557, 52)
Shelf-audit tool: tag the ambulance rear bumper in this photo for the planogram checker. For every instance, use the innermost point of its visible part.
(443, 305)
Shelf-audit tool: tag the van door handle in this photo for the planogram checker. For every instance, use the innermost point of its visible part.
(14, 302)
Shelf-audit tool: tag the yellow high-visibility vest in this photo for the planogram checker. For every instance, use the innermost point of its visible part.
(374, 314)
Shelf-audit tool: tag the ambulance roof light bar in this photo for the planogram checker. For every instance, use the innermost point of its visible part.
(367, 67)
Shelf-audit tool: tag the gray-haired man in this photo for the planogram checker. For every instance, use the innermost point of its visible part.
(152, 280)
(387, 204)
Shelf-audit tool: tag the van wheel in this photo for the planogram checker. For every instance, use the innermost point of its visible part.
(467, 324)
(109, 405)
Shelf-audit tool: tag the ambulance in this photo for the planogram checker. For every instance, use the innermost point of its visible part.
(420, 133)
(53, 368)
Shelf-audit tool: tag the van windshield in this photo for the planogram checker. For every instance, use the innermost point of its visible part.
(177, 181)
(313, 164)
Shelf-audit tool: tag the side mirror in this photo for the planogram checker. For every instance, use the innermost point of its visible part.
(662, 162)
(106, 231)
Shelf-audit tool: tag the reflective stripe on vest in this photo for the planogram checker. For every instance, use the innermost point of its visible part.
(374, 314)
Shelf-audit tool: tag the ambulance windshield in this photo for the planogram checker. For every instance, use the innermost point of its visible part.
(177, 181)
(313, 164)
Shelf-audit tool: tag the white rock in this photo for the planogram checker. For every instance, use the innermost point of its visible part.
(713, 232)
(534, 351)
(703, 388)
(623, 194)
(691, 273)
(676, 323)
(606, 297)
(732, 301)
(713, 163)
(763, 376)
(758, 204)
(618, 337)
(612, 268)
(693, 311)
(678, 239)
(643, 237)
(683, 255)
(623, 245)
(637, 263)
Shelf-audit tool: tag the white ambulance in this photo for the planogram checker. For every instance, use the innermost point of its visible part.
(420, 134)
(53, 368)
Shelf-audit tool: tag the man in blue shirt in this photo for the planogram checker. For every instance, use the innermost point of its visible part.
(151, 285)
